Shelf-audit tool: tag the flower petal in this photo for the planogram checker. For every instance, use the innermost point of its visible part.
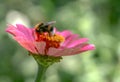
(65, 33)
(40, 46)
(60, 52)
(64, 52)
(77, 42)
(53, 51)
(70, 51)
(26, 44)
(13, 30)
(70, 39)
(28, 32)
(88, 47)
(20, 30)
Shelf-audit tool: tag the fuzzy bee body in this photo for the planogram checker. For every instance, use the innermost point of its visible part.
(45, 27)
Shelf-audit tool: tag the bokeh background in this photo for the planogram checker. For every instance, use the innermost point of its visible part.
(98, 20)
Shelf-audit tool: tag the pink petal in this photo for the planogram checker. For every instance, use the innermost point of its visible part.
(28, 32)
(26, 44)
(84, 48)
(20, 30)
(78, 42)
(64, 52)
(40, 46)
(88, 47)
(70, 51)
(52, 51)
(13, 30)
(65, 33)
(60, 52)
(70, 39)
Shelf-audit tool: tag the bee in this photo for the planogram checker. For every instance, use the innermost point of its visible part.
(45, 27)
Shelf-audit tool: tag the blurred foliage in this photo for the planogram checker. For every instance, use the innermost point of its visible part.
(99, 20)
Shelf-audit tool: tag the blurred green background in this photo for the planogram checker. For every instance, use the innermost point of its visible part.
(98, 20)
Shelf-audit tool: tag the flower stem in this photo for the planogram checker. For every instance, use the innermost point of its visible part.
(41, 73)
(44, 61)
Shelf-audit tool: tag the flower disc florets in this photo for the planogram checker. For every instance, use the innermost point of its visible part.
(51, 41)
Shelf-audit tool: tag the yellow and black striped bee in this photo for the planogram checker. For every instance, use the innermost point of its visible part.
(45, 27)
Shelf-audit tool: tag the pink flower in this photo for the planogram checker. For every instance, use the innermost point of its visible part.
(63, 43)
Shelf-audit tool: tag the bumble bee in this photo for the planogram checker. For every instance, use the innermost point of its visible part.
(45, 27)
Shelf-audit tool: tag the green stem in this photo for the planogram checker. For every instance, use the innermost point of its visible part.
(41, 73)
(44, 61)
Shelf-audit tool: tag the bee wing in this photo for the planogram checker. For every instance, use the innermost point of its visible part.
(53, 32)
(52, 22)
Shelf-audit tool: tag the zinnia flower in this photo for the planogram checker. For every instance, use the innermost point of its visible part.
(63, 43)
(48, 47)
